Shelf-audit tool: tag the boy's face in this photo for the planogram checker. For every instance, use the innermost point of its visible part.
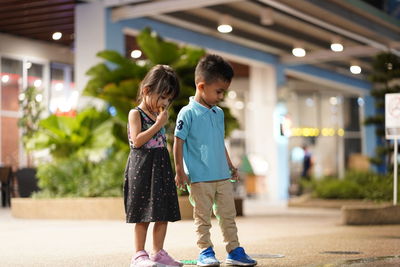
(213, 93)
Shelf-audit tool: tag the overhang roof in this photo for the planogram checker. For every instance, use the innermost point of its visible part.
(277, 26)
(268, 25)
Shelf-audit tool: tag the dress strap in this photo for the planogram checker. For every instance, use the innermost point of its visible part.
(144, 114)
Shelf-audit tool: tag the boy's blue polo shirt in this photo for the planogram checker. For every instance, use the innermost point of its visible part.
(202, 129)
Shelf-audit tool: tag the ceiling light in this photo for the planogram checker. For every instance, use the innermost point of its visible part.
(266, 16)
(336, 47)
(5, 78)
(239, 105)
(355, 69)
(333, 100)
(37, 83)
(28, 64)
(59, 86)
(232, 94)
(21, 97)
(360, 101)
(136, 53)
(224, 25)
(39, 98)
(298, 52)
(224, 28)
(57, 35)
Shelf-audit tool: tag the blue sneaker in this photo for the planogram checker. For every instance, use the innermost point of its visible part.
(240, 258)
(207, 258)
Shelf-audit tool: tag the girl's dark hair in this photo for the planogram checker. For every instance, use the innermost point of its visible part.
(212, 68)
(161, 80)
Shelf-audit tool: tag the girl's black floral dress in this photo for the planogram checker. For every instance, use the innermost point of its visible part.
(149, 188)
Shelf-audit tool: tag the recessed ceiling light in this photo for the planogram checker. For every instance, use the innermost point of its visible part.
(57, 35)
(336, 47)
(136, 53)
(298, 52)
(224, 24)
(224, 28)
(355, 69)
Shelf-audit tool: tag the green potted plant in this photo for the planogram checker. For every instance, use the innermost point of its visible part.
(30, 103)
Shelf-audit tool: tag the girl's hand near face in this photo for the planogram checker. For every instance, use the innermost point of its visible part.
(162, 117)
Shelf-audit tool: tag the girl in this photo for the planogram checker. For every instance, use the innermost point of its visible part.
(149, 189)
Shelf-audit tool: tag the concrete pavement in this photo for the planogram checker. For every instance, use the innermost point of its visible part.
(305, 236)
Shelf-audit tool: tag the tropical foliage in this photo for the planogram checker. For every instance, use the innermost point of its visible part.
(116, 81)
(86, 135)
(89, 151)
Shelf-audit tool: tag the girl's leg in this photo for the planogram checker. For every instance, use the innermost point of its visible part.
(159, 255)
(159, 233)
(140, 235)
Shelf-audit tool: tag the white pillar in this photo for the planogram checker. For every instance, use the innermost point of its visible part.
(260, 126)
(89, 39)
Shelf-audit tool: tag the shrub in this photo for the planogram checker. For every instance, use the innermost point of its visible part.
(355, 185)
(79, 177)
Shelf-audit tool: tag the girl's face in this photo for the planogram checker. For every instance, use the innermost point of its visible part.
(156, 102)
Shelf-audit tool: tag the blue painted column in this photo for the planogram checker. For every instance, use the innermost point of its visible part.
(115, 38)
(371, 139)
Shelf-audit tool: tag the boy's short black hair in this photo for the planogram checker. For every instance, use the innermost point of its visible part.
(212, 68)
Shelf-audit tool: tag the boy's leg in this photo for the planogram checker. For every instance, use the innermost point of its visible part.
(225, 212)
(202, 198)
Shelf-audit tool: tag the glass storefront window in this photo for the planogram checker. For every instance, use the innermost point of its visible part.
(63, 96)
(328, 124)
(11, 84)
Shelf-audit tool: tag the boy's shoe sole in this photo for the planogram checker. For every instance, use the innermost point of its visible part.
(239, 263)
(208, 265)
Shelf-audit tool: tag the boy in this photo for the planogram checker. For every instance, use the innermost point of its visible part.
(202, 161)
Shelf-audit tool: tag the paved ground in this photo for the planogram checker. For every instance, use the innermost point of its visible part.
(304, 236)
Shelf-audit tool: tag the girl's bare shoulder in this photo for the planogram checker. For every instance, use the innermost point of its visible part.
(133, 115)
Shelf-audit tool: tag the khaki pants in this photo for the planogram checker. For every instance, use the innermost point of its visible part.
(218, 195)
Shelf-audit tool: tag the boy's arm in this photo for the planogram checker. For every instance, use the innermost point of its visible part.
(181, 178)
(233, 169)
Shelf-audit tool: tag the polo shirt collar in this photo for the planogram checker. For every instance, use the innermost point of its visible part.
(199, 106)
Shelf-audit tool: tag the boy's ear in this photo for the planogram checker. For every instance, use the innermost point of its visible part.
(200, 86)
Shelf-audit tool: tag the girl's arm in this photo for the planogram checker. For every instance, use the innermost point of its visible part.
(181, 178)
(138, 137)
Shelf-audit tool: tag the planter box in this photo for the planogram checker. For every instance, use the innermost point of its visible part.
(371, 215)
(69, 208)
(97, 208)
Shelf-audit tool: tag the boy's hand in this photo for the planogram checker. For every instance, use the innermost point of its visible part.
(181, 180)
(234, 174)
